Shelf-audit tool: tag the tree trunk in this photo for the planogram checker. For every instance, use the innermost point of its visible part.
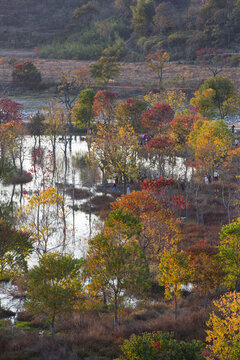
(197, 206)
(53, 326)
(116, 312)
(175, 304)
(124, 184)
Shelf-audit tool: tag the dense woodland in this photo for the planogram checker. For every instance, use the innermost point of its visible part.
(128, 29)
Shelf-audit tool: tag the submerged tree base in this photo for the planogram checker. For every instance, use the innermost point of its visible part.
(10, 175)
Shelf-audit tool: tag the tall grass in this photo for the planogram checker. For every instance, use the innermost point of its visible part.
(73, 50)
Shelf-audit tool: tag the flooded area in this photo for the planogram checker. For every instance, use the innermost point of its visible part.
(68, 177)
(73, 180)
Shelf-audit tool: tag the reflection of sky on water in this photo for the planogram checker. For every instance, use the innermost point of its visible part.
(7, 301)
(65, 175)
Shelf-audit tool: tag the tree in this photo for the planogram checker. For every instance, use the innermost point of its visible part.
(156, 62)
(83, 15)
(54, 286)
(82, 112)
(229, 253)
(116, 265)
(203, 103)
(12, 148)
(177, 99)
(213, 93)
(223, 334)
(181, 127)
(210, 142)
(159, 226)
(129, 113)
(56, 123)
(159, 346)
(123, 8)
(213, 59)
(26, 75)
(117, 148)
(37, 125)
(104, 106)
(157, 118)
(142, 15)
(120, 221)
(208, 271)
(70, 85)
(166, 18)
(174, 271)
(105, 69)
(8, 140)
(15, 248)
(160, 148)
(10, 111)
(41, 218)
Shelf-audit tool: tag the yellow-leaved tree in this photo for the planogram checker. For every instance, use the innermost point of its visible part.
(114, 150)
(175, 270)
(177, 99)
(223, 334)
(42, 218)
(210, 143)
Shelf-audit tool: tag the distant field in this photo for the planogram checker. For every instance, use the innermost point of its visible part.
(132, 75)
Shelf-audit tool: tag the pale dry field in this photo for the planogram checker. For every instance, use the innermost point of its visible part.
(132, 75)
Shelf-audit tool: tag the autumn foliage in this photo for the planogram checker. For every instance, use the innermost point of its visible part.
(10, 111)
(157, 118)
(26, 75)
(104, 104)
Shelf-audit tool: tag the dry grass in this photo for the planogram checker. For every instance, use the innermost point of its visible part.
(100, 204)
(92, 334)
(132, 75)
(78, 193)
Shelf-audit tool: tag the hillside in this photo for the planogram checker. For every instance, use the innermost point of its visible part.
(128, 29)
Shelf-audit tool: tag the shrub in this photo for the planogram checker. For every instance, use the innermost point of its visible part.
(26, 75)
(160, 346)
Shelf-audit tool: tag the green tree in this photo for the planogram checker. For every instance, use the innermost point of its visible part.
(37, 125)
(15, 247)
(54, 287)
(82, 112)
(229, 253)
(104, 69)
(116, 265)
(213, 93)
(159, 346)
(120, 221)
(142, 15)
(129, 112)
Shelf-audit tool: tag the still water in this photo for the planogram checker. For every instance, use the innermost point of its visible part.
(69, 175)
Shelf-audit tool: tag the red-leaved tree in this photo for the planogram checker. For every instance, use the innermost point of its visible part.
(104, 105)
(10, 111)
(157, 118)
